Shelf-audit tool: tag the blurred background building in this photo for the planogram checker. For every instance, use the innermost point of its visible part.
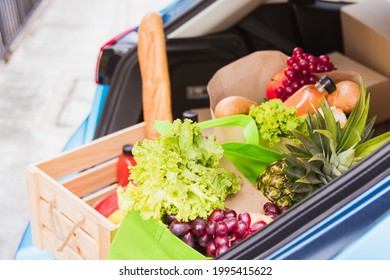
(48, 53)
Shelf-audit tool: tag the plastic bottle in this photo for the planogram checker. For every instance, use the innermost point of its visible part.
(311, 95)
(124, 161)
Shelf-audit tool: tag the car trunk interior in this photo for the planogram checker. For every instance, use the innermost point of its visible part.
(196, 54)
(312, 25)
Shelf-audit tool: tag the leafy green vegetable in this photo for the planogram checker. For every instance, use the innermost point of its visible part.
(275, 121)
(178, 173)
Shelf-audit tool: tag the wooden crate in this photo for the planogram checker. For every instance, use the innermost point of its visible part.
(63, 190)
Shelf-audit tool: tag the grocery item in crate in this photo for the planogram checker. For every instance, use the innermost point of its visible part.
(125, 161)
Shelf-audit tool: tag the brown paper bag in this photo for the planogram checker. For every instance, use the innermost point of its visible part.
(249, 77)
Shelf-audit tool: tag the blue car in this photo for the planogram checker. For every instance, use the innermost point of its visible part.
(349, 219)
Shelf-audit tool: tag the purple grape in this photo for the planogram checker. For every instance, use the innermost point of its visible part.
(271, 207)
(221, 228)
(298, 52)
(231, 223)
(221, 241)
(303, 64)
(284, 209)
(258, 225)
(170, 218)
(211, 227)
(211, 248)
(324, 59)
(217, 215)
(240, 229)
(271, 215)
(178, 228)
(290, 61)
(189, 239)
(235, 242)
(221, 250)
(203, 239)
(198, 226)
(246, 218)
(230, 213)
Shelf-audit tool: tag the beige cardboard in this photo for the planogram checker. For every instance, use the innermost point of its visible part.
(366, 34)
(249, 77)
(377, 84)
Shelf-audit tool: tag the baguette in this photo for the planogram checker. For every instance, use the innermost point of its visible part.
(152, 56)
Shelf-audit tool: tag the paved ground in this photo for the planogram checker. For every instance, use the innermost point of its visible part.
(46, 90)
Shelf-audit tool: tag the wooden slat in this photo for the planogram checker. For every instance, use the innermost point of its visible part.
(61, 226)
(33, 203)
(51, 243)
(93, 199)
(72, 206)
(89, 155)
(92, 179)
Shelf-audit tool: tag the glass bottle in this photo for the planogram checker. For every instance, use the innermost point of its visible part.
(124, 161)
(311, 95)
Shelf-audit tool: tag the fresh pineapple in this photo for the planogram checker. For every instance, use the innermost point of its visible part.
(277, 186)
(326, 153)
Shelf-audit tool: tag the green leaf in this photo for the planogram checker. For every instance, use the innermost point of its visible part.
(356, 122)
(346, 159)
(309, 178)
(310, 147)
(368, 130)
(366, 148)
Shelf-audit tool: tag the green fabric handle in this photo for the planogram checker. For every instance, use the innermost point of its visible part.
(247, 123)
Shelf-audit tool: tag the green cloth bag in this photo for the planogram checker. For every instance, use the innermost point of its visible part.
(138, 239)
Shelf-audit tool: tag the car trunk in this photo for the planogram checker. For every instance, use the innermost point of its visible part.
(194, 58)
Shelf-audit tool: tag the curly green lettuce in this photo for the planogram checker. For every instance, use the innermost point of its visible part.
(179, 173)
(275, 121)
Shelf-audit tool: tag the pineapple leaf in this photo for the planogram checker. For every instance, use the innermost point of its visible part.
(356, 122)
(292, 159)
(346, 160)
(302, 188)
(368, 130)
(364, 149)
(294, 172)
(330, 121)
(297, 150)
(310, 178)
(331, 145)
(307, 143)
(323, 141)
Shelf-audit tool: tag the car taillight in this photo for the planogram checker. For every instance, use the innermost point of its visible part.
(103, 58)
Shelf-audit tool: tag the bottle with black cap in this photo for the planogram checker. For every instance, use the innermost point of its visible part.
(124, 161)
(311, 95)
(192, 115)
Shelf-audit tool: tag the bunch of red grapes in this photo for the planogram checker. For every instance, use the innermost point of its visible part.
(299, 71)
(222, 230)
(273, 211)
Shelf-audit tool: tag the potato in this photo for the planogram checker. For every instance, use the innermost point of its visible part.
(233, 105)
